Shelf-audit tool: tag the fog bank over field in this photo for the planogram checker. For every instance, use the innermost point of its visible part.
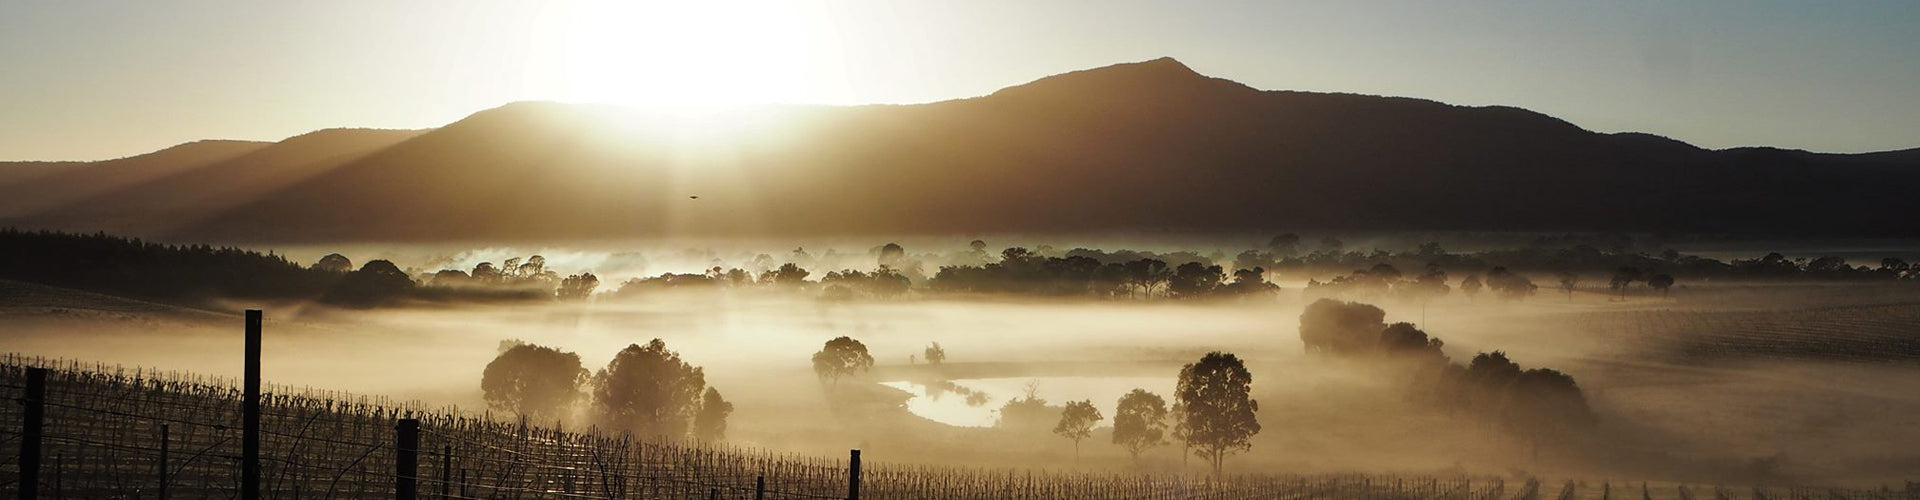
(1666, 409)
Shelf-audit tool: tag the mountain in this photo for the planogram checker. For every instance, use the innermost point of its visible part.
(215, 185)
(34, 186)
(1139, 147)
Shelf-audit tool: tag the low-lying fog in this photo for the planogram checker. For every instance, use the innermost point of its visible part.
(1729, 418)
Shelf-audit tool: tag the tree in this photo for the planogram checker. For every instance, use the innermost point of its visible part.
(1076, 423)
(1147, 275)
(533, 381)
(1140, 422)
(1219, 413)
(1569, 281)
(378, 282)
(1341, 328)
(1193, 279)
(840, 357)
(1509, 285)
(935, 354)
(1025, 414)
(333, 263)
(1623, 277)
(1407, 341)
(891, 255)
(711, 423)
(789, 274)
(1470, 286)
(486, 274)
(1543, 403)
(578, 286)
(649, 390)
(1661, 282)
(1250, 281)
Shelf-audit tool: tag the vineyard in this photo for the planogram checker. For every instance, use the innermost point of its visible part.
(111, 432)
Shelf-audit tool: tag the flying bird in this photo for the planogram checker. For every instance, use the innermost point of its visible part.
(693, 197)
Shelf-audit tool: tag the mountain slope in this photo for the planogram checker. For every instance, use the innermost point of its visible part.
(61, 184)
(1139, 147)
(186, 196)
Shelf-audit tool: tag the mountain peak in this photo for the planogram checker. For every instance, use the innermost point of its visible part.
(1143, 79)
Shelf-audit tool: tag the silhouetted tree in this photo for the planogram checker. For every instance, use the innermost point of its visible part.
(1214, 395)
(485, 273)
(1543, 404)
(935, 354)
(1193, 279)
(1250, 281)
(711, 423)
(1406, 341)
(378, 282)
(1147, 275)
(450, 277)
(1623, 278)
(533, 381)
(1509, 285)
(891, 255)
(578, 286)
(887, 283)
(333, 263)
(1661, 282)
(1568, 282)
(1335, 327)
(1140, 422)
(649, 391)
(1076, 423)
(1470, 285)
(840, 357)
(789, 274)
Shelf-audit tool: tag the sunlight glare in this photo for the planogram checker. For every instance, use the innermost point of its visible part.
(694, 55)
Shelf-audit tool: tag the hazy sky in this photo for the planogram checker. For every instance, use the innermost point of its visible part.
(82, 79)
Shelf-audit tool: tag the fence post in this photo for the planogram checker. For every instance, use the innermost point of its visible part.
(759, 487)
(406, 462)
(250, 413)
(164, 448)
(853, 476)
(446, 472)
(30, 421)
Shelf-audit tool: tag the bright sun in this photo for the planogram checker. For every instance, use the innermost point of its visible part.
(692, 53)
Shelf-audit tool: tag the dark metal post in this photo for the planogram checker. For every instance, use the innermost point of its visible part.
(164, 447)
(853, 477)
(446, 472)
(759, 487)
(250, 414)
(30, 421)
(406, 463)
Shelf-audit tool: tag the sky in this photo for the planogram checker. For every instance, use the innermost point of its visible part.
(92, 79)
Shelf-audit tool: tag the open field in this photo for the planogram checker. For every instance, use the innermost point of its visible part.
(1694, 389)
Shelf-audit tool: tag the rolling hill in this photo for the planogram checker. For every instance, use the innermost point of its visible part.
(1143, 147)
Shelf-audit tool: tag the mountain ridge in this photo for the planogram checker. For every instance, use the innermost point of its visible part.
(1145, 146)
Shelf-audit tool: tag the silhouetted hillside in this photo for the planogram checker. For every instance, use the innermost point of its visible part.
(58, 184)
(1141, 147)
(191, 195)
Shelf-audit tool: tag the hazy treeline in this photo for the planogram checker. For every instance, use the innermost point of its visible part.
(135, 268)
(132, 267)
(1540, 404)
